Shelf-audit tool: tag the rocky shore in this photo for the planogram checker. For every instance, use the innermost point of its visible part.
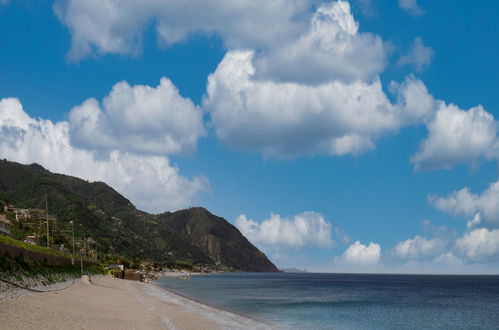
(14, 287)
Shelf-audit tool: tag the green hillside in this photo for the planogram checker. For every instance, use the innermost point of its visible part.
(117, 227)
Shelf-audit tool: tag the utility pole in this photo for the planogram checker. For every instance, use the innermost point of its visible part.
(73, 230)
(84, 247)
(47, 217)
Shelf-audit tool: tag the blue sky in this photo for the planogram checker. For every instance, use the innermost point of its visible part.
(337, 136)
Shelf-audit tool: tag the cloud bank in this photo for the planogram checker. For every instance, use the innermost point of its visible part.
(117, 27)
(150, 182)
(308, 229)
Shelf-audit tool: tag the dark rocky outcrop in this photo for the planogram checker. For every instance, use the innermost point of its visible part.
(223, 242)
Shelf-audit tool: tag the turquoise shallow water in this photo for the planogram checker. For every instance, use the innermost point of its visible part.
(351, 301)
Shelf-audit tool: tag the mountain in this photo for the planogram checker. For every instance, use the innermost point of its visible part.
(193, 235)
(223, 242)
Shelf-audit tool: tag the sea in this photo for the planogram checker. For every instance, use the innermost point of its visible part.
(349, 301)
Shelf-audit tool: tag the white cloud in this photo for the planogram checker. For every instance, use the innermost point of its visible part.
(360, 254)
(411, 7)
(100, 27)
(318, 94)
(415, 104)
(308, 229)
(139, 119)
(302, 83)
(332, 44)
(150, 182)
(480, 245)
(332, 49)
(420, 246)
(289, 119)
(448, 259)
(457, 136)
(483, 207)
(419, 55)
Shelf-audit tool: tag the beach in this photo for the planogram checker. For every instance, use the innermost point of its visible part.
(110, 303)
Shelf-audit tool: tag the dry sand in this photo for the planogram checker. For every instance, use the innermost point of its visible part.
(109, 303)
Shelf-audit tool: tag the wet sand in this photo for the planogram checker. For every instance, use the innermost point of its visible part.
(109, 303)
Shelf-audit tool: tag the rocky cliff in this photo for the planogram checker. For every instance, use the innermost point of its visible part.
(223, 242)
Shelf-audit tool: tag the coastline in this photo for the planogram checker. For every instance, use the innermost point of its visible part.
(109, 303)
(213, 306)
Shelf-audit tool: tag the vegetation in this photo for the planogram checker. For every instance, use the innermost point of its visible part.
(116, 227)
(22, 266)
(31, 247)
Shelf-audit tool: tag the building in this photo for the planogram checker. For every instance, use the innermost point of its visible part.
(31, 239)
(115, 267)
(4, 225)
(22, 214)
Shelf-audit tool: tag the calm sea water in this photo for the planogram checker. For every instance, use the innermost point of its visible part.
(351, 301)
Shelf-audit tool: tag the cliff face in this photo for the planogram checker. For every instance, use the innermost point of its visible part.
(223, 242)
(194, 235)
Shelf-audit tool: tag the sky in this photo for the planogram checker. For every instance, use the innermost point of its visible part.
(337, 136)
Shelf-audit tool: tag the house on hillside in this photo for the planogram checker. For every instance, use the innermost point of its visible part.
(8, 208)
(22, 214)
(31, 239)
(4, 225)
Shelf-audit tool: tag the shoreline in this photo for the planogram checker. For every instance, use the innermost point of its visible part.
(223, 309)
(109, 303)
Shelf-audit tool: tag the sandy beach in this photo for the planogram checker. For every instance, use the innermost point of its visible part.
(109, 303)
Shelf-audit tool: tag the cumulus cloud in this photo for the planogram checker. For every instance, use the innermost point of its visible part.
(290, 119)
(302, 83)
(411, 7)
(457, 136)
(101, 27)
(419, 55)
(420, 246)
(414, 103)
(150, 182)
(480, 245)
(362, 255)
(332, 44)
(140, 119)
(319, 94)
(308, 229)
(448, 259)
(331, 49)
(482, 208)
